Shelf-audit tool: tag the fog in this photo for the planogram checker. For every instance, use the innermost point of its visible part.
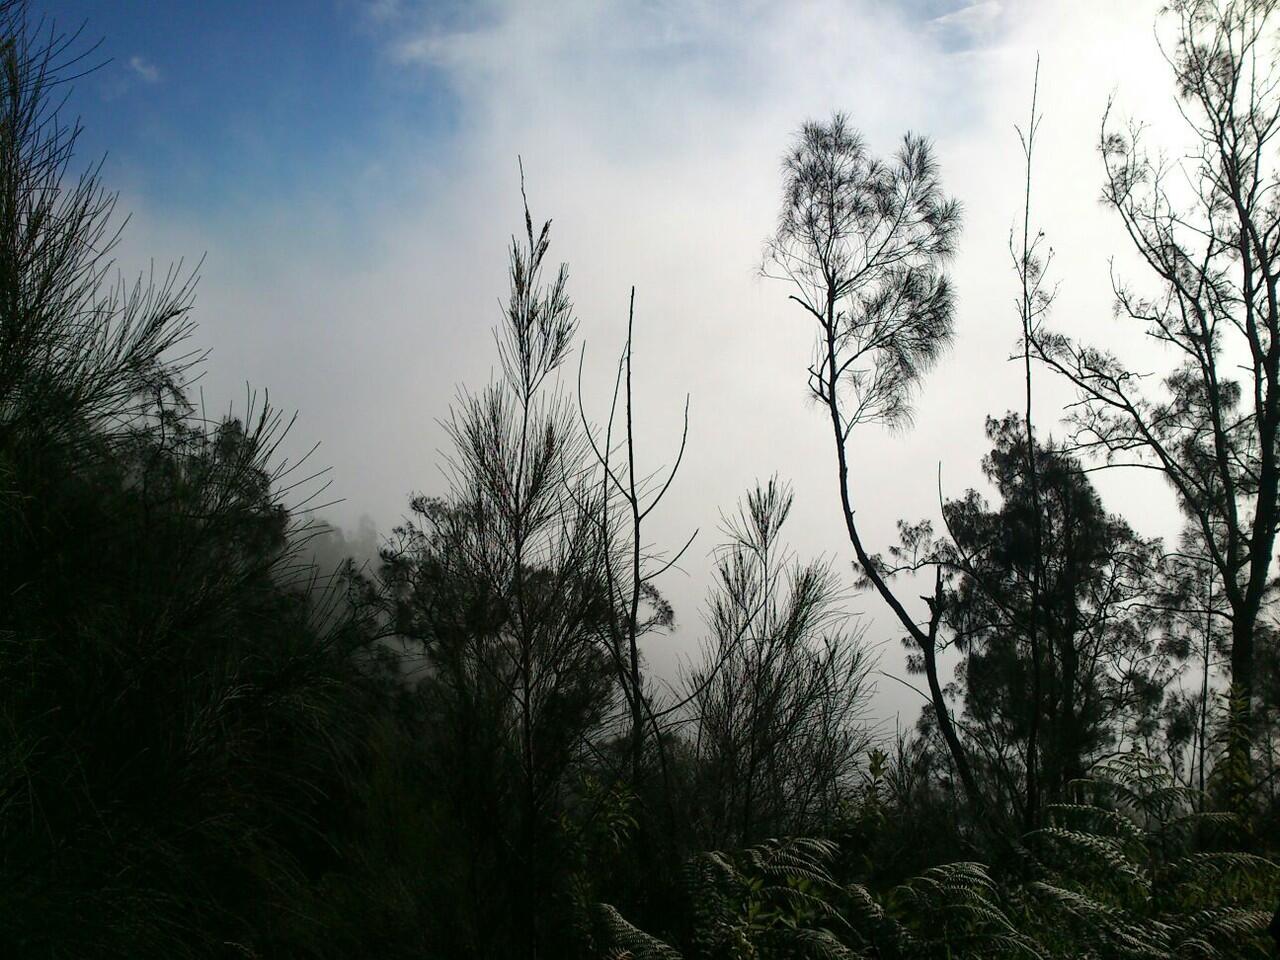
(652, 135)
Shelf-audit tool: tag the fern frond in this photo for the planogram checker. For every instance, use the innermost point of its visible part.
(1091, 850)
(623, 940)
(1094, 819)
(1212, 868)
(1221, 925)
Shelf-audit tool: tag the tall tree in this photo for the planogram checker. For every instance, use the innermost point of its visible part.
(1213, 252)
(503, 582)
(1032, 305)
(863, 243)
(1048, 559)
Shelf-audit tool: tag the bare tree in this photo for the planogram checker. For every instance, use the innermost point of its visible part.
(1032, 305)
(1208, 228)
(863, 243)
(630, 565)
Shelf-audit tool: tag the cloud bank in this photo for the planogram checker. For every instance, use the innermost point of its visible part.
(652, 134)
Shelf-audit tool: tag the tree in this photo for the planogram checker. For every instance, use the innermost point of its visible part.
(1084, 588)
(1207, 227)
(1194, 611)
(503, 584)
(1033, 303)
(631, 566)
(76, 350)
(164, 693)
(775, 706)
(863, 243)
(173, 713)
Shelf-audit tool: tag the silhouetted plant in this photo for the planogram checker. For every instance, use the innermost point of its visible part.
(776, 705)
(1108, 880)
(1212, 429)
(863, 242)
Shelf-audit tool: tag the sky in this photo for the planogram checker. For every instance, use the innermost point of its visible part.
(347, 170)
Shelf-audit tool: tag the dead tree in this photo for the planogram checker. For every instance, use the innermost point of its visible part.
(630, 565)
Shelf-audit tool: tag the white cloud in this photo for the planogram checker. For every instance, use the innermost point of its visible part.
(383, 10)
(148, 71)
(968, 26)
(969, 16)
(652, 133)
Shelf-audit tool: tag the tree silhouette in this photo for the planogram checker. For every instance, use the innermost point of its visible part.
(776, 704)
(862, 243)
(1211, 426)
(1085, 590)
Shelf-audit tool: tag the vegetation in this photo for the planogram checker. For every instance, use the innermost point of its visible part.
(211, 748)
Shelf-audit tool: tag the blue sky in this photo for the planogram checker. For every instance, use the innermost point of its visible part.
(218, 107)
(214, 107)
